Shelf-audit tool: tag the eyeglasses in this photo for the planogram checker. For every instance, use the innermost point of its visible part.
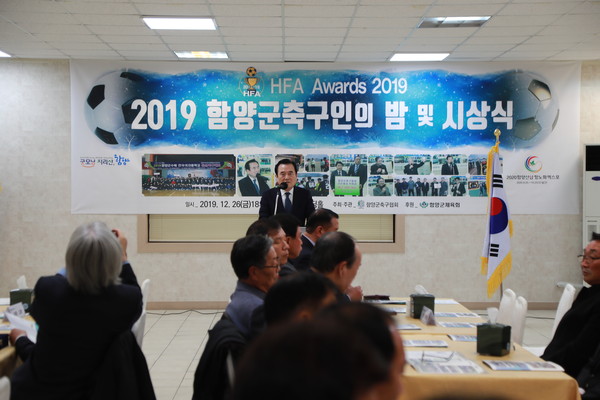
(585, 257)
(433, 357)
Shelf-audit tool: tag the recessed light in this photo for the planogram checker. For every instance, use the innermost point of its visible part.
(453, 22)
(201, 54)
(3, 54)
(180, 23)
(419, 56)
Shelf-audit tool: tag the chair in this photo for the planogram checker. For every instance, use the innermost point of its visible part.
(140, 325)
(505, 309)
(518, 320)
(564, 304)
(4, 388)
(419, 289)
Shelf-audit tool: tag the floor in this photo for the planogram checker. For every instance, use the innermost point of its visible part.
(174, 341)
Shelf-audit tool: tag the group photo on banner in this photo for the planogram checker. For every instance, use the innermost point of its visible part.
(179, 138)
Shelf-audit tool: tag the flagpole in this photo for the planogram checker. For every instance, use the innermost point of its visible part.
(497, 133)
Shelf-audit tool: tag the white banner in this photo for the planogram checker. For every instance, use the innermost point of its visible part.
(182, 137)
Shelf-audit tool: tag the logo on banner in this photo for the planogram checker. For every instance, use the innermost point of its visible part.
(533, 164)
(250, 85)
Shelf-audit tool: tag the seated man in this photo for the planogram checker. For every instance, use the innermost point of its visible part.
(270, 227)
(256, 265)
(293, 238)
(356, 355)
(576, 336)
(298, 297)
(320, 222)
(337, 256)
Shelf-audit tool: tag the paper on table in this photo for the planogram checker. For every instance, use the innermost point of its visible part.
(457, 324)
(23, 324)
(523, 365)
(442, 362)
(463, 338)
(425, 343)
(457, 314)
(408, 327)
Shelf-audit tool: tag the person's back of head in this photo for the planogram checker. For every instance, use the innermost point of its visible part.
(320, 218)
(249, 251)
(264, 226)
(297, 296)
(300, 361)
(332, 249)
(93, 258)
(289, 223)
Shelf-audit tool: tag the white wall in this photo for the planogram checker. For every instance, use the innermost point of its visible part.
(35, 218)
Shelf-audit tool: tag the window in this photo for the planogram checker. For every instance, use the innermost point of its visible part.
(215, 233)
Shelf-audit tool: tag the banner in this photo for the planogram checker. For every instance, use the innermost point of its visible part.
(368, 138)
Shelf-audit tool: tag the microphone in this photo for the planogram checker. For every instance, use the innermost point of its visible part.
(282, 185)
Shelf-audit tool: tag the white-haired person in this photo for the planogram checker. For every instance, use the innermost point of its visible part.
(79, 316)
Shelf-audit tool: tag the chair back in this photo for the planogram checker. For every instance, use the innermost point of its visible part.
(506, 307)
(4, 388)
(517, 329)
(139, 327)
(145, 292)
(564, 304)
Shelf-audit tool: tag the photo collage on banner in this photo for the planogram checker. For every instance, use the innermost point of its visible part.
(247, 175)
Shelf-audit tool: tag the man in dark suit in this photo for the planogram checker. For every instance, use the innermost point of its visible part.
(253, 184)
(360, 170)
(319, 223)
(449, 168)
(379, 167)
(411, 168)
(293, 200)
(337, 172)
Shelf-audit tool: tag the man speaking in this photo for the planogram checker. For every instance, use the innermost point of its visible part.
(286, 197)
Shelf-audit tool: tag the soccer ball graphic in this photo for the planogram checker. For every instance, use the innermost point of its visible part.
(108, 108)
(535, 109)
(251, 71)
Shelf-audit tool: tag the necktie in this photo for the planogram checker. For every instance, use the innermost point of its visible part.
(288, 203)
(255, 186)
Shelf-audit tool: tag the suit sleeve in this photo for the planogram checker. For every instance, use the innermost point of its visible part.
(266, 208)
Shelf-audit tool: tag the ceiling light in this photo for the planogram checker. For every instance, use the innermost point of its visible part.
(3, 54)
(180, 23)
(453, 22)
(419, 56)
(201, 54)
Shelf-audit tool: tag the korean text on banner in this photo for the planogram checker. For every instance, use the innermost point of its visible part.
(496, 260)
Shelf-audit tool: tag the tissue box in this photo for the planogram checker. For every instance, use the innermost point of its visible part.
(21, 296)
(418, 301)
(493, 339)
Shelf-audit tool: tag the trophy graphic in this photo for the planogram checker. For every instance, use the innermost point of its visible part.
(251, 79)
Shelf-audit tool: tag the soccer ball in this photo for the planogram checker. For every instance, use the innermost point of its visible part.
(535, 110)
(251, 71)
(108, 108)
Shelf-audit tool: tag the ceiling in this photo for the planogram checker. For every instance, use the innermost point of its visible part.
(302, 30)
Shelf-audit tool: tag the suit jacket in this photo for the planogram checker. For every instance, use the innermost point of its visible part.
(576, 337)
(449, 170)
(362, 173)
(375, 167)
(247, 187)
(335, 173)
(413, 169)
(212, 380)
(302, 205)
(75, 332)
(302, 262)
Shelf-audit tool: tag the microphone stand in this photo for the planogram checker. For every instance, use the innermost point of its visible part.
(276, 201)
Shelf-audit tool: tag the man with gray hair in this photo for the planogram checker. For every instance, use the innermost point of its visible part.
(337, 256)
(256, 265)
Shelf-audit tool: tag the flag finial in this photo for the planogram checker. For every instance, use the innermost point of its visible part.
(497, 133)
